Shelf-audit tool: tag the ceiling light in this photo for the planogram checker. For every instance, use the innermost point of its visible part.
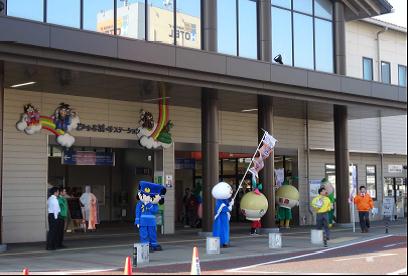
(23, 84)
(249, 110)
(156, 99)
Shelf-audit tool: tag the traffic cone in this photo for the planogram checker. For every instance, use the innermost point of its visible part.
(195, 263)
(25, 271)
(128, 267)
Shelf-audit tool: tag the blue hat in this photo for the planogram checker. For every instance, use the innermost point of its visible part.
(150, 189)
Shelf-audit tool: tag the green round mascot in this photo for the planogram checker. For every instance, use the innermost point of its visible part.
(330, 191)
(287, 197)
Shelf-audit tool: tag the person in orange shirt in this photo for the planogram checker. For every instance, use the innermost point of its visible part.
(364, 204)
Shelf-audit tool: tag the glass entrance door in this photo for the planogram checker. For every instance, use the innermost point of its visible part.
(396, 187)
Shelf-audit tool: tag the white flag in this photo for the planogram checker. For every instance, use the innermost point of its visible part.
(269, 140)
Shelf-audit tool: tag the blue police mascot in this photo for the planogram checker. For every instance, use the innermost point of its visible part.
(150, 195)
(222, 192)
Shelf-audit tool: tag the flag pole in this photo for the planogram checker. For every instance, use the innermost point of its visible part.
(252, 160)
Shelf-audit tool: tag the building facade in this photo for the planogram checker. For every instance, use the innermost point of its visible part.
(214, 60)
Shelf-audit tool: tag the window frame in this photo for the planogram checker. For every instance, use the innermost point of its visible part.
(389, 66)
(313, 16)
(399, 80)
(372, 68)
(375, 179)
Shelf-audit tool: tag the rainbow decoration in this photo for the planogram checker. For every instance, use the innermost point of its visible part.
(163, 118)
(47, 123)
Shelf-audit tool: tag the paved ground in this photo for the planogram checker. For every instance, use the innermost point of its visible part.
(105, 252)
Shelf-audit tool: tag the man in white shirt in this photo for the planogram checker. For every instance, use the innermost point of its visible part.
(53, 211)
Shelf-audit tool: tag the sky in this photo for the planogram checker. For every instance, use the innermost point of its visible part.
(399, 17)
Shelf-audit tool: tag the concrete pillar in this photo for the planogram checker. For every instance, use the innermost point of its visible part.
(340, 38)
(2, 247)
(264, 30)
(209, 25)
(342, 164)
(209, 117)
(266, 176)
(341, 121)
(210, 150)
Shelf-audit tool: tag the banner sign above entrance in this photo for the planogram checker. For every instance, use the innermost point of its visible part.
(109, 129)
(88, 158)
(395, 168)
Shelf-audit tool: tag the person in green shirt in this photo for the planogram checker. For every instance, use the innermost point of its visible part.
(62, 217)
(322, 206)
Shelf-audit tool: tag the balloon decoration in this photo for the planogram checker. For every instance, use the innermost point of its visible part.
(156, 134)
(60, 124)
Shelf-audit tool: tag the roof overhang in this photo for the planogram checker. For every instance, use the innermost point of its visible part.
(359, 9)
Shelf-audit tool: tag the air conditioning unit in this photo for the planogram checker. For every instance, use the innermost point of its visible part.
(2, 7)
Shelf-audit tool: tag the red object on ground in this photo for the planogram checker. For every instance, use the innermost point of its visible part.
(128, 266)
(25, 271)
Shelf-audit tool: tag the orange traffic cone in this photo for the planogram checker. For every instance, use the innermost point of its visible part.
(195, 263)
(25, 271)
(128, 267)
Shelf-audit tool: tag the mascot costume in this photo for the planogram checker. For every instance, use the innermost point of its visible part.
(287, 197)
(222, 192)
(330, 191)
(150, 195)
(254, 205)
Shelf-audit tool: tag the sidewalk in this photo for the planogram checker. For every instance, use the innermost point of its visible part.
(108, 251)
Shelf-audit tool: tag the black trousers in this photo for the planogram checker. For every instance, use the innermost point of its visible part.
(364, 220)
(322, 221)
(60, 235)
(52, 232)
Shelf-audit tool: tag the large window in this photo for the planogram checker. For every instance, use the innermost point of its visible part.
(367, 68)
(282, 34)
(32, 9)
(98, 16)
(130, 20)
(330, 173)
(64, 12)
(227, 27)
(385, 72)
(324, 45)
(303, 34)
(371, 179)
(188, 32)
(402, 75)
(303, 41)
(161, 21)
(247, 29)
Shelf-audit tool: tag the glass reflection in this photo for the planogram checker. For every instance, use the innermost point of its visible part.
(324, 8)
(303, 41)
(226, 27)
(130, 18)
(282, 3)
(385, 72)
(324, 45)
(64, 12)
(305, 6)
(32, 9)
(188, 32)
(161, 21)
(402, 75)
(282, 34)
(98, 16)
(247, 29)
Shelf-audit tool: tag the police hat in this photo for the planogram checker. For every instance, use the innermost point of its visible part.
(151, 189)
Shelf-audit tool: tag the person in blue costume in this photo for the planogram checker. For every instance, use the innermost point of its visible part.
(150, 195)
(222, 192)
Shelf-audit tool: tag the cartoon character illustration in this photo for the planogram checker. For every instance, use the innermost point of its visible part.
(330, 191)
(64, 118)
(150, 195)
(286, 197)
(222, 192)
(30, 120)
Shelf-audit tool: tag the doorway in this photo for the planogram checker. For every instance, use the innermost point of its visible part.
(395, 187)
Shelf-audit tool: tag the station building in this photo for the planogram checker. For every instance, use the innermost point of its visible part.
(336, 104)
